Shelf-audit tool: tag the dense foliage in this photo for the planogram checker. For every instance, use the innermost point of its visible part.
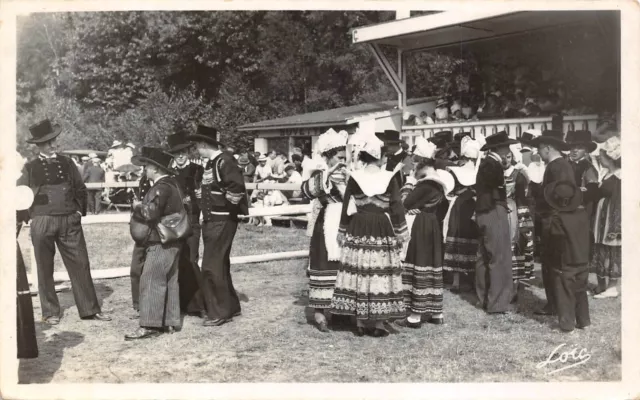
(139, 76)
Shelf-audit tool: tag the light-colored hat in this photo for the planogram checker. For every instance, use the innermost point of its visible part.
(331, 140)
(466, 174)
(85, 158)
(116, 143)
(93, 155)
(424, 148)
(443, 177)
(262, 158)
(612, 147)
(469, 148)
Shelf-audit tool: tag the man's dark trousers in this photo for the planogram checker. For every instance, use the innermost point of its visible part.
(189, 275)
(494, 277)
(137, 264)
(549, 260)
(572, 304)
(65, 231)
(221, 299)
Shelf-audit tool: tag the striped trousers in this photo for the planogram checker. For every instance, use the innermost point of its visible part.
(65, 231)
(494, 275)
(159, 294)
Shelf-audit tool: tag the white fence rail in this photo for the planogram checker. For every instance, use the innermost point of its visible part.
(513, 126)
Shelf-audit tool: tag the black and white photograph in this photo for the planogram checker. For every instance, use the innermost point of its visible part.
(392, 193)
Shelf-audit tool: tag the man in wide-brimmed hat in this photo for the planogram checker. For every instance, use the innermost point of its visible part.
(569, 233)
(586, 174)
(159, 293)
(528, 149)
(188, 175)
(221, 196)
(494, 277)
(550, 146)
(396, 156)
(60, 201)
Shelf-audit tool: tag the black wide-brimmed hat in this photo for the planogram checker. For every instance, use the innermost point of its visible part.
(154, 156)
(553, 138)
(205, 134)
(442, 138)
(389, 136)
(498, 140)
(43, 132)
(526, 139)
(582, 138)
(178, 142)
(563, 195)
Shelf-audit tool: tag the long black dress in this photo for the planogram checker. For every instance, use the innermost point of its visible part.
(422, 268)
(26, 330)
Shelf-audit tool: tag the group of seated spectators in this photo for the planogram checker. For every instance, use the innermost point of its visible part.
(273, 167)
(526, 102)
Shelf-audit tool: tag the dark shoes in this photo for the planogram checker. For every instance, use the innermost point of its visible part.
(143, 333)
(215, 322)
(98, 317)
(436, 320)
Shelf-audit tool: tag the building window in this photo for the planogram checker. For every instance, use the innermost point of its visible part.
(279, 144)
(303, 143)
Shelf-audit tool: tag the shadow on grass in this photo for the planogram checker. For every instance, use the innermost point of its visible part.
(51, 347)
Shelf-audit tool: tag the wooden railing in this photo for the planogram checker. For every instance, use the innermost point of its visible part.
(514, 126)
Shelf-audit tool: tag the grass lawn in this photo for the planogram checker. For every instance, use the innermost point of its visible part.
(273, 341)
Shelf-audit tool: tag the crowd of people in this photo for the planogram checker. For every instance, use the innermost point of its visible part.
(390, 224)
(523, 101)
(476, 212)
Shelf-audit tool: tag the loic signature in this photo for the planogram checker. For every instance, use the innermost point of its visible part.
(565, 359)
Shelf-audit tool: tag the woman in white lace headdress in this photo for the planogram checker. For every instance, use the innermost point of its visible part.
(325, 188)
(369, 280)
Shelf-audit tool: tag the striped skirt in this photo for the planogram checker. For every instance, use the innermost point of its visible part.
(460, 255)
(322, 271)
(422, 268)
(369, 279)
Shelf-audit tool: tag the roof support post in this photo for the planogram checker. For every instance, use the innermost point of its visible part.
(398, 79)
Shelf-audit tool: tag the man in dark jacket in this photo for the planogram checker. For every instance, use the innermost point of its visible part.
(494, 278)
(586, 175)
(569, 231)
(550, 146)
(395, 154)
(189, 175)
(60, 201)
(93, 173)
(221, 196)
(159, 296)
